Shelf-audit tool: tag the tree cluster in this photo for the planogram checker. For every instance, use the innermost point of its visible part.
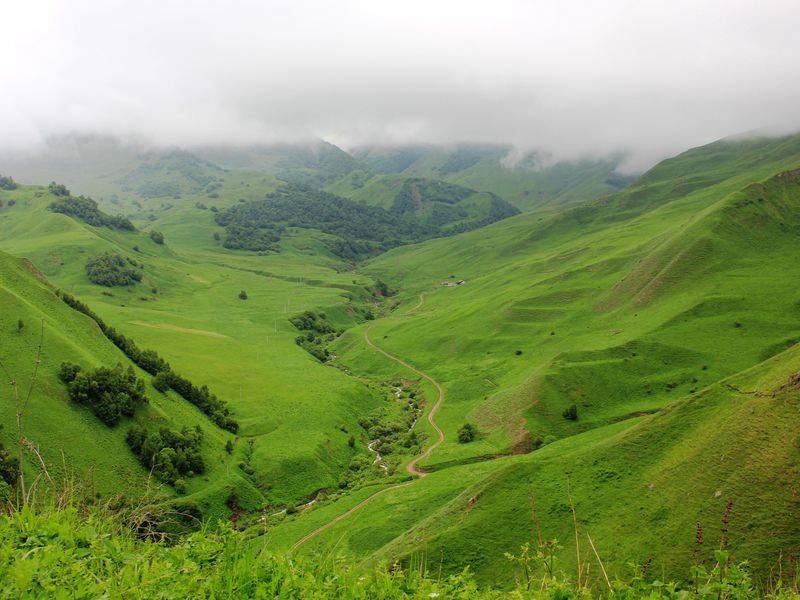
(85, 209)
(109, 393)
(149, 360)
(170, 454)
(318, 333)
(361, 230)
(110, 269)
(7, 183)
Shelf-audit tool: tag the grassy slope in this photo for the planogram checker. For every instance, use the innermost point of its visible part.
(51, 422)
(287, 403)
(643, 292)
(526, 184)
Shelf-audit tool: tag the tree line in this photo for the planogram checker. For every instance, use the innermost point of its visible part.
(84, 209)
(148, 360)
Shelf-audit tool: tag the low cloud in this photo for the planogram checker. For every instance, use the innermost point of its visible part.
(571, 79)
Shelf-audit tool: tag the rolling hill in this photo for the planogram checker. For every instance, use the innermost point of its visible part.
(629, 355)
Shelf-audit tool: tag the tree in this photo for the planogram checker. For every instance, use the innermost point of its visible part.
(467, 433)
(571, 413)
(229, 447)
(157, 237)
(20, 325)
(242, 295)
(68, 372)
(351, 442)
(161, 381)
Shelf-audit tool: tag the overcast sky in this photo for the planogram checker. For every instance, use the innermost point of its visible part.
(575, 78)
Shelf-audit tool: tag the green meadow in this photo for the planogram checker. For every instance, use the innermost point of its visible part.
(665, 315)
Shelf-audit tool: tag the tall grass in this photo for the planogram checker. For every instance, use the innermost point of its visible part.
(86, 552)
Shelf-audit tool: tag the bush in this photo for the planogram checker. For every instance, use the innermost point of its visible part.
(161, 382)
(157, 237)
(110, 269)
(7, 183)
(242, 295)
(170, 454)
(467, 433)
(109, 393)
(571, 413)
(68, 372)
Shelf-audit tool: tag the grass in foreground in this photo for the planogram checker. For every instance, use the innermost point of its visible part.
(74, 554)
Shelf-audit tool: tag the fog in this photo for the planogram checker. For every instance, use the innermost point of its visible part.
(571, 79)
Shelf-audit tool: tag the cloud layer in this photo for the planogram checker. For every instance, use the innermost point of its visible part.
(574, 78)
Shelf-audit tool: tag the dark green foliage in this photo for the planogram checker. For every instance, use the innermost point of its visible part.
(85, 209)
(518, 352)
(467, 433)
(20, 325)
(7, 183)
(571, 413)
(318, 334)
(109, 393)
(383, 289)
(161, 382)
(157, 237)
(9, 465)
(229, 447)
(311, 321)
(150, 361)
(170, 454)
(362, 230)
(110, 269)
(58, 189)
(242, 295)
(68, 371)
(351, 441)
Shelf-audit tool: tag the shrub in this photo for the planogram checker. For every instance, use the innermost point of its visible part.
(109, 393)
(170, 454)
(7, 183)
(68, 372)
(110, 269)
(571, 413)
(157, 237)
(242, 295)
(161, 382)
(467, 433)
(229, 447)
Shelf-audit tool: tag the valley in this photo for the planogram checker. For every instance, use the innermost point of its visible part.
(617, 357)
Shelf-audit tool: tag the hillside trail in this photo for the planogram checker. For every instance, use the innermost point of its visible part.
(411, 467)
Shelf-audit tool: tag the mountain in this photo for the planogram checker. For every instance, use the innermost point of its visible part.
(665, 313)
(623, 361)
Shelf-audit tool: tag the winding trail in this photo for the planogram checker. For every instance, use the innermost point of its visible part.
(410, 467)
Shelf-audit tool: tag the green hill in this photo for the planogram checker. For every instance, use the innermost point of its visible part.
(295, 414)
(529, 182)
(647, 301)
(631, 356)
